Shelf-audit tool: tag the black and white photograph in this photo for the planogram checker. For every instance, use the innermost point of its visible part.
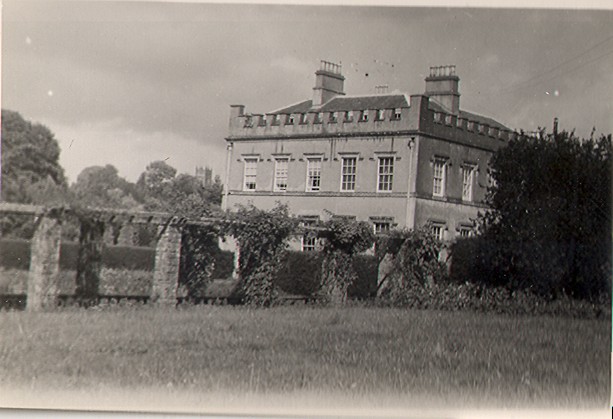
(306, 209)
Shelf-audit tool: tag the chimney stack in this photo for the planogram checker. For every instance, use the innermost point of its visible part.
(442, 86)
(329, 82)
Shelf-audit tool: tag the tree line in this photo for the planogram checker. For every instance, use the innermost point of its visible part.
(32, 174)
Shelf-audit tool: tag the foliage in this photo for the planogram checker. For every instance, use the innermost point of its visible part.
(550, 219)
(343, 239)
(199, 252)
(300, 273)
(262, 240)
(98, 186)
(364, 287)
(16, 254)
(31, 172)
(30, 154)
(411, 259)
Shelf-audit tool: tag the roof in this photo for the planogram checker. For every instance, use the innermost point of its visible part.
(349, 103)
(469, 116)
(381, 101)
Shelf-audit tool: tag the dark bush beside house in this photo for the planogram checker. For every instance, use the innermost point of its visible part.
(365, 285)
(300, 274)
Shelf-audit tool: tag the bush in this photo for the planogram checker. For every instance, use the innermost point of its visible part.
(16, 255)
(300, 273)
(365, 284)
(343, 240)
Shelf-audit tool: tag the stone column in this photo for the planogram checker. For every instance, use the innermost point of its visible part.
(166, 274)
(44, 264)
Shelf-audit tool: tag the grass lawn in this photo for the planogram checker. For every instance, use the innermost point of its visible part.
(316, 357)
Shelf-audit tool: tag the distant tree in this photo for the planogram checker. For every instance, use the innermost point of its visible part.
(31, 172)
(99, 186)
(549, 226)
(30, 161)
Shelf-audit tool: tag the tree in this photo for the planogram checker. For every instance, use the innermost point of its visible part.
(31, 172)
(549, 226)
(30, 156)
(99, 186)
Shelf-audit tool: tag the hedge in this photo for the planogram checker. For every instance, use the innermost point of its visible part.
(301, 275)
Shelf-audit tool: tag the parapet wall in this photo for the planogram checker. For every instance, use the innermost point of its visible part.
(417, 118)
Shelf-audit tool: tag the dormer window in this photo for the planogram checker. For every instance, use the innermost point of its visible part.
(437, 117)
(289, 120)
(303, 118)
(348, 116)
(319, 117)
(333, 117)
(248, 121)
(380, 116)
(364, 116)
(262, 122)
(470, 125)
(397, 114)
(275, 119)
(448, 119)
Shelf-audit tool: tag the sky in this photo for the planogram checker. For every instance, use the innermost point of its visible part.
(128, 83)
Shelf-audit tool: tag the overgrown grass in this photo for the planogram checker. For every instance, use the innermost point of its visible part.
(446, 359)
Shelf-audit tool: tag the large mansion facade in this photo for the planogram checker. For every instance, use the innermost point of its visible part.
(390, 159)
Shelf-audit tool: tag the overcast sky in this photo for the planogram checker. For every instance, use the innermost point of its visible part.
(129, 83)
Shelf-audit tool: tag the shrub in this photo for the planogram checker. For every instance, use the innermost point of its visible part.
(344, 238)
(262, 240)
(300, 273)
(16, 255)
(411, 261)
(364, 285)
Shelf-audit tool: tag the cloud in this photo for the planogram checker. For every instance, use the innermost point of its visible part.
(129, 150)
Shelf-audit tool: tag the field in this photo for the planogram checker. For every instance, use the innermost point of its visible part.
(357, 356)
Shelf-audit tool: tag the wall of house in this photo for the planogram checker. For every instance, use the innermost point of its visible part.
(364, 202)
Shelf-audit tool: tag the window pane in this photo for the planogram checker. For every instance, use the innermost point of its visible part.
(467, 183)
(348, 173)
(313, 174)
(438, 185)
(385, 174)
(250, 174)
(281, 174)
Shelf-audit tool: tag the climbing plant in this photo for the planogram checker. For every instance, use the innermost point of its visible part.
(343, 239)
(409, 258)
(199, 249)
(262, 240)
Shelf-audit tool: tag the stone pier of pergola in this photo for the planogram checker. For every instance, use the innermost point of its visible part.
(42, 289)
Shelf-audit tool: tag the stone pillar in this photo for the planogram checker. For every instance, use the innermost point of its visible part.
(89, 263)
(167, 259)
(44, 264)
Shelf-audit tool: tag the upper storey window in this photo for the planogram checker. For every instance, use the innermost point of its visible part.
(348, 173)
(333, 117)
(468, 180)
(439, 177)
(303, 118)
(289, 120)
(380, 116)
(385, 174)
(348, 116)
(397, 114)
(364, 116)
(250, 173)
(281, 170)
(313, 174)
